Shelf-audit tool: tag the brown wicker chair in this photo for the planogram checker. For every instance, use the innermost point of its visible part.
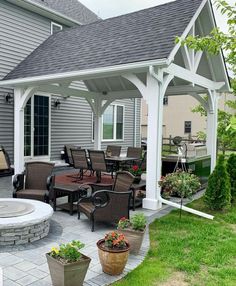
(67, 152)
(98, 163)
(36, 183)
(114, 150)
(5, 165)
(80, 161)
(132, 152)
(108, 205)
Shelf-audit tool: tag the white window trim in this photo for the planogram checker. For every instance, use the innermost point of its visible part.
(55, 24)
(114, 129)
(40, 158)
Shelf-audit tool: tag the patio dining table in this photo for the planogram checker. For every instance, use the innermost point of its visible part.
(119, 159)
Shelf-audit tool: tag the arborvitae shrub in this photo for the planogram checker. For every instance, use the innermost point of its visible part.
(231, 168)
(218, 193)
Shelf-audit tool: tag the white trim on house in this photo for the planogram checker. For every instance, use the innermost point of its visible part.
(45, 11)
(80, 75)
(57, 25)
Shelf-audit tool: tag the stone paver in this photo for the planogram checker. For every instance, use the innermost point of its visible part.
(26, 264)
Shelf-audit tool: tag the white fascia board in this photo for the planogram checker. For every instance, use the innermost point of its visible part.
(45, 11)
(187, 30)
(85, 74)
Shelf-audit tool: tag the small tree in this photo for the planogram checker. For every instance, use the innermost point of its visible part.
(231, 168)
(218, 194)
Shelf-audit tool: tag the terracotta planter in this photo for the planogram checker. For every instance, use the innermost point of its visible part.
(135, 239)
(70, 274)
(113, 261)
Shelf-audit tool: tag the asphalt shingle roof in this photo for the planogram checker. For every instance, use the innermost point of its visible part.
(140, 36)
(70, 8)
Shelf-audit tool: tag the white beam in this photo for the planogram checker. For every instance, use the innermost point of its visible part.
(18, 131)
(184, 90)
(65, 91)
(211, 141)
(189, 76)
(97, 124)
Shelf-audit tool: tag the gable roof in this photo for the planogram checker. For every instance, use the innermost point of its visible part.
(140, 36)
(71, 8)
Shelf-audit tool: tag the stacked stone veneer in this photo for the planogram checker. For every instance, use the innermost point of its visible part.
(26, 234)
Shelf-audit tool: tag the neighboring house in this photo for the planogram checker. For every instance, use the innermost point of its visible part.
(51, 120)
(178, 118)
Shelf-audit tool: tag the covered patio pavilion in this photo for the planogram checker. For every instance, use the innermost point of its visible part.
(131, 56)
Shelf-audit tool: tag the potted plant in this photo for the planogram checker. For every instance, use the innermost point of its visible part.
(136, 171)
(113, 251)
(67, 265)
(134, 230)
(180, 183)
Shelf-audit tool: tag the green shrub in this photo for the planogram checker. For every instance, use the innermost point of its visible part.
(231, 168)
(218, 194)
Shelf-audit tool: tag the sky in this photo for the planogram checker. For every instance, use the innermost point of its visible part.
(110, 8)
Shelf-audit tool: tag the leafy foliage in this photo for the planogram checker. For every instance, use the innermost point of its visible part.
(137, 222)
(213, 44)
(180, 183)
(67, 253)
(218, 193)
(231, 168)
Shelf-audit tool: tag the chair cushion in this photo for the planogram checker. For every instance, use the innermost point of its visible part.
(31, 194)
(86, 208)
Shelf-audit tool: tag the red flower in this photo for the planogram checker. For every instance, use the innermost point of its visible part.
(135, 168)
(123, 218)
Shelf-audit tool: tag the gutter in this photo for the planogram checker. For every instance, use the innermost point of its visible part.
(85, 74)
(45, 11)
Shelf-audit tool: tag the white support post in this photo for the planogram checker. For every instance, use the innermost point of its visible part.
(18, 131)
(97, 124)
(154, 146)
(212, 116)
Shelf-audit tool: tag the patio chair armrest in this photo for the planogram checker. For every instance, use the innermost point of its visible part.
(100, 199)
(85, 191)
(18, 182)
(50, 185)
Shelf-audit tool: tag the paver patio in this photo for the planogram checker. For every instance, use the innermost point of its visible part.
(27, 265)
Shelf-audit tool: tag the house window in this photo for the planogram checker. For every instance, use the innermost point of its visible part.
(165, 100)
(112, 123)
(36, 127)
(55, 28)
(187, 126)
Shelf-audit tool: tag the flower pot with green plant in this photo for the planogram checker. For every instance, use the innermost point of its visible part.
(136, 171)
(134, 230)
(113, 251)
(67, 265)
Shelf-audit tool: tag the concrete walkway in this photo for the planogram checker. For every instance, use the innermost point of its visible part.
(26, 265)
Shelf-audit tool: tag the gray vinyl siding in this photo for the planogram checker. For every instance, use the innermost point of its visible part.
(72, 124)
(6, 123)
(21, 32)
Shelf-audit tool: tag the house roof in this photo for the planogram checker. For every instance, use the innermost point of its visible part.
(71, 8)
(140, 36)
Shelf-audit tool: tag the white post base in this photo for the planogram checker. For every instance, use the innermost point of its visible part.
(152, 204)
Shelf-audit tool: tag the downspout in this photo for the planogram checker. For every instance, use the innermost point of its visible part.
(159, 78)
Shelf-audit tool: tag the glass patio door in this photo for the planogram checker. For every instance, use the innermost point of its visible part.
(36, 137)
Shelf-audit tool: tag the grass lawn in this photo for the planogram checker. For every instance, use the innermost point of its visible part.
(189, 251)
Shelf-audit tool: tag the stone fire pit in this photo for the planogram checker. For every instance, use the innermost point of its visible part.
(23, 221)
